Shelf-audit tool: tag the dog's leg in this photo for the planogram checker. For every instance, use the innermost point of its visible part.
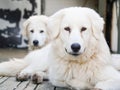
(108, 85)
(25, 74)
(78, 85)
(58, 83)
(34, 71)
(12, 67)
(30, 73)
(38, 76)
(109, 79)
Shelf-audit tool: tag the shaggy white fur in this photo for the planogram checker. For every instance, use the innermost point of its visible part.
(77, 57)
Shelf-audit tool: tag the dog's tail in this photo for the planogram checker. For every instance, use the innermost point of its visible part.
(12, 67)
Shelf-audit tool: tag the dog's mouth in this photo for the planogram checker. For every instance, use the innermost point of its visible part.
(73, 53)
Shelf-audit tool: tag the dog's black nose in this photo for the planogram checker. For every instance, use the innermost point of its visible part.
(35, 42)
(75, 47)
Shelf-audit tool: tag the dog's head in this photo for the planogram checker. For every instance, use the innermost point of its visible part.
(77, 28)
(35, 31)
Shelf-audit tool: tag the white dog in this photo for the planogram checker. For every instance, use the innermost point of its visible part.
(35, 31)
(77, 57)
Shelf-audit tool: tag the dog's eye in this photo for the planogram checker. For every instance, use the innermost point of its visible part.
(31, 31)
(41, 31)
(83, 29)
(67, 29)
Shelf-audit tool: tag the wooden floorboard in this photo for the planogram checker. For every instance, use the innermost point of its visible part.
(62, 89)
(30, 86)
(23, 85)
(10, 83)
(3, 79)
(45, 86)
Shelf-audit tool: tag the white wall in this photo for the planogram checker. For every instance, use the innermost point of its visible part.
(52, 6)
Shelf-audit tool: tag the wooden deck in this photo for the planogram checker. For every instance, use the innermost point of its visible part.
(10, 83)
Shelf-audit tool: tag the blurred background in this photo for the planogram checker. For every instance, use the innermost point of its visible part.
(14, 12)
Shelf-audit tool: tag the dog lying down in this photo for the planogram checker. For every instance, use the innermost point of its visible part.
(35, 31)
(77, 57)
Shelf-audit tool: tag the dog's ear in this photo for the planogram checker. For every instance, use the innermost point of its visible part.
(97, 22)
(53, 24)
(25, 29)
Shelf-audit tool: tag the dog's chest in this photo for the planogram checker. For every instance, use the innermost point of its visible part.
(68, 71)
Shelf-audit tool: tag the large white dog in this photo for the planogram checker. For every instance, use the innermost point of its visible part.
(78, 56)
(35, 31)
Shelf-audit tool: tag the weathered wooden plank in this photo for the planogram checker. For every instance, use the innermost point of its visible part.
(22, 85)
(45, 86)
(58, 88)
(9, 84)
(3, 79)
(30, 86)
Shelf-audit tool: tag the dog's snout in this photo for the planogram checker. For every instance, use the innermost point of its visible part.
(36, 42)
(75, 47)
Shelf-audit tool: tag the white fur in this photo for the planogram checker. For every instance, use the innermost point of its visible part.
(12, 67)
(116, 61)
(91, 68)
(36, 24)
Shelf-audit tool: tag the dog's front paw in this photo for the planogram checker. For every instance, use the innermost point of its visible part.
(23, 76)
(37, 79)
